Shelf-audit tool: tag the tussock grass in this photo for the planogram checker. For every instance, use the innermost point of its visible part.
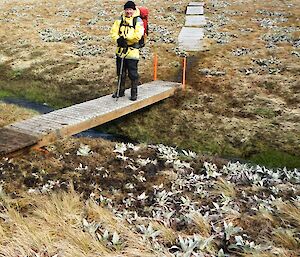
(168, 234)
(266, 215)
(218, 114)
(202, 224)
(258, 255)
(104, 217)
(286, 238)
(52, 225)
(290, 212)
(222, 187)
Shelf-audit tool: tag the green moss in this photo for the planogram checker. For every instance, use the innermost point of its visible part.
(5, 93)
(23, 84)
(269, 85)
(34, 91)
(276, 159)
(162, 123)
(265, 113)
(16, 74)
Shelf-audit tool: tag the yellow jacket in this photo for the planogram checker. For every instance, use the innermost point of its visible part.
(131, 34)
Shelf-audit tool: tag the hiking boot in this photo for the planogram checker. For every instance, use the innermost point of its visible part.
(133, 98)
(134, 84)
(121, 93)
(122, 90)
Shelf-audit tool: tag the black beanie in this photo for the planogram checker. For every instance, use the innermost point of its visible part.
(130, 4)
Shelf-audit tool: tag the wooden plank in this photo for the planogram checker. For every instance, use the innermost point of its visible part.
(62, 117)
(192, 47)
(192, 10)
(196, 4)
(191, 32)
(74, 129)
(22, 130)
(190, 39)
(195, 20)
(37, 125)
(11, 140)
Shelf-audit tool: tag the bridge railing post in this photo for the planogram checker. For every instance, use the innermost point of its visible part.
(155, 67)
(184, 74)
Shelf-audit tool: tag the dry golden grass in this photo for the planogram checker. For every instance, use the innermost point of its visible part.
(266, 215)
(286, 238)
(231, 111)
(290, 212)
(10, 113)
(222, 187)
(53, 224)
(202, 224)
(108, 220)
(258, 255)
(168, 234)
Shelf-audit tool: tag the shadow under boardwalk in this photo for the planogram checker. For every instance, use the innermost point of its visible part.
(43, 129)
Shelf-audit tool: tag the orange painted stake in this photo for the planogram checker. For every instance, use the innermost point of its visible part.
(183, 73)
(155, 67)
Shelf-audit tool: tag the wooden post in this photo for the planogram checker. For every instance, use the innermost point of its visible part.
(183, 73)
(155, 67)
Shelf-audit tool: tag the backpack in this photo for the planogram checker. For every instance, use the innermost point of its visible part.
(144, 13)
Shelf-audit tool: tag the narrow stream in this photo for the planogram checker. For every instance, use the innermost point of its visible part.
(44, 108)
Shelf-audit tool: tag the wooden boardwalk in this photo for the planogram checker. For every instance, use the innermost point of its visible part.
(191, 36)
(43, 129)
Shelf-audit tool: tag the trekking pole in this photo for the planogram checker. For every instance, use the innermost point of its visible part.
(123, 54)
(120, 77)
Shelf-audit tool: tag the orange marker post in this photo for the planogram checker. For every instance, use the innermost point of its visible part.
(155, 67)
(183, 73)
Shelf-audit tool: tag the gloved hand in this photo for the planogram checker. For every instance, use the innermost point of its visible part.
(122, 42)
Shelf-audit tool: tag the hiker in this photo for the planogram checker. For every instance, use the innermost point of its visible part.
(127, 32)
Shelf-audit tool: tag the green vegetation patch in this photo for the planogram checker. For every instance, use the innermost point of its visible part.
(5, 93)
(22, 84)
(276, 159)
(265, 113)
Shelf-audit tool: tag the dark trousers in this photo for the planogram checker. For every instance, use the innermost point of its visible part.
(130, 67)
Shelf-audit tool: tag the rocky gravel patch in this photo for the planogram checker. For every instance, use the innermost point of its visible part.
(88, 50)
(161, 34)
(52, 35)
(241, 51)
(207, 72)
